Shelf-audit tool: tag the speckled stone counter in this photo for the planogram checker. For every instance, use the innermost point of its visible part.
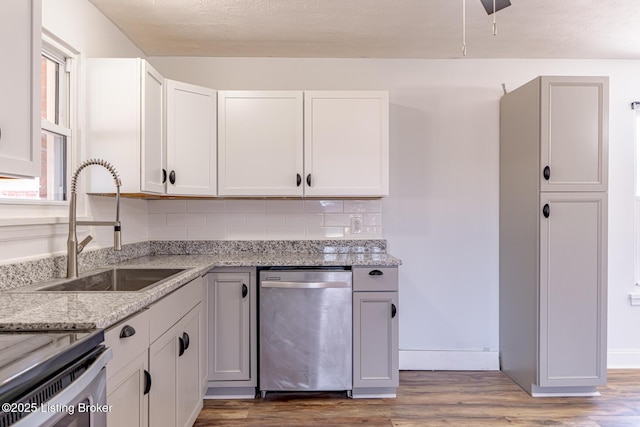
(23, 308)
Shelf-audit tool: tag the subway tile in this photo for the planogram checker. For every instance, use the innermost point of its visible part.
(372, 220)
(167, 206)
(185, 219)
(323, 206)
(284, 206)
(339, 220)
(167, 233)
(246, 233)
(245, 206)
(285, 233)
(157, 220)
(365, 233)
(324, 232)
(226, 219)
(205, 206)
(264, 219)
(304, 220)
(363, 206)
(206, 233)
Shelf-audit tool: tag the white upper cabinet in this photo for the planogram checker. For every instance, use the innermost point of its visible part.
(343, 150)
(190, 139)
(574, 129)
(346, 143)
(20, 44)
(159, 134)
(151, 142)
(124, 124)
(260, 143)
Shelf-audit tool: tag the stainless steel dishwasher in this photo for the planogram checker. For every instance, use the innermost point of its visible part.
(305, 330)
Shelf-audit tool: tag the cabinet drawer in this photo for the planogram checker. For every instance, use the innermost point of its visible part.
(375, 278)
(170, 309)
(126, 348)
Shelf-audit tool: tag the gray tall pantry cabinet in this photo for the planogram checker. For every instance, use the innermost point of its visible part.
(553, 235)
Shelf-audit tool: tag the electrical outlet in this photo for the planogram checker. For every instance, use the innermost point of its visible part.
(356, 225)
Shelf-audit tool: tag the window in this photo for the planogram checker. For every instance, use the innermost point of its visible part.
(51, 185)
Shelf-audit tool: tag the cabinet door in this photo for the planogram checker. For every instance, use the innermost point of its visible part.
(163, 362)
(189, 385)
(375, 339)
(152, 135)
(229, 326)
(126, 395)
(573, 291)
(20, 85)
(260, 143)
(346, 143)
(574, 133)
(191, 139)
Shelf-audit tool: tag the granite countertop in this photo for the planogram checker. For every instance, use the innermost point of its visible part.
(24, 308)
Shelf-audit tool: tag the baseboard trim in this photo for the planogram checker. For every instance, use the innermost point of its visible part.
(623, 359)
(430, 360)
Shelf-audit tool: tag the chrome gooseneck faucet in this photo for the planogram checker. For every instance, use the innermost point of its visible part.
(73, 247)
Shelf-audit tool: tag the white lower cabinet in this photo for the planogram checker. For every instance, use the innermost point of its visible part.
(375, 332)
(156, 375)
(175, 397)
(232, 333)
(126, 394)
(127, 372)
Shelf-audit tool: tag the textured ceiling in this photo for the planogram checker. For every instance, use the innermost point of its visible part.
(379, 28)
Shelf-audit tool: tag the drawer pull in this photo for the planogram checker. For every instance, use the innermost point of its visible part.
(394, 311)
(127, 331)
(245, 290)
(147, 382)
(375, 273)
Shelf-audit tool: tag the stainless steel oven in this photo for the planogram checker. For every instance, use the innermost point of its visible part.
(53, 379)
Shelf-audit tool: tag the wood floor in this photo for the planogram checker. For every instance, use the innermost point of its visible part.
(461, 399)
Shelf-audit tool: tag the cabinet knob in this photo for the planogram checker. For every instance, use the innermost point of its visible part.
(147, 382)
(394, 311)
(375, 273)
(298, 180)
(164, 175)
(245, 290)
(172, 177)
(546, 173)
(546, 211)
(185, 338)
(127, 331)
(180, 346)
(309, 180)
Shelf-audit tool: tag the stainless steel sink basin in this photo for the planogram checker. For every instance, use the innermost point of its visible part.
(116, 280)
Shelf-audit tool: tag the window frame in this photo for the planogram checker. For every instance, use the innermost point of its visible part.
(49, 211)
(33, 212)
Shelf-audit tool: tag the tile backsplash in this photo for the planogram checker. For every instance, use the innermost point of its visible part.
(241, 219)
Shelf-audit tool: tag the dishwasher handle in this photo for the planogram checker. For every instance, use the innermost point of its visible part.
(303, 285)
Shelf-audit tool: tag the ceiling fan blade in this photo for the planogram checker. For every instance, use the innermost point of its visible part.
(500, 4)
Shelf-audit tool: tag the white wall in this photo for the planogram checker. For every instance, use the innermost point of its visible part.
(442, 215)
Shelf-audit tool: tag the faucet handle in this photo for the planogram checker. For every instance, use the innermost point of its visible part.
(84, 243)
(117, 237)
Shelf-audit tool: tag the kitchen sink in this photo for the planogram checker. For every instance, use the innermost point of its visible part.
(116, 280)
